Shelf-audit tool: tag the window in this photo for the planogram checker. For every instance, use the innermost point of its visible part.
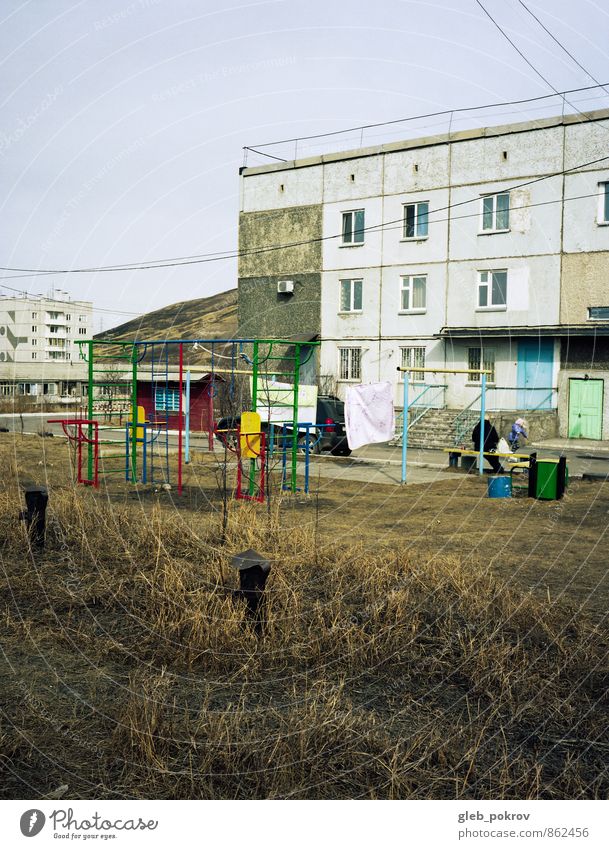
(34, 342)
(603, 203)
(349, 365)
(415, 220)
(598, 313)
(54, 328)
(353, 227)
(495, 213)
(34, 316)
(53, 316)
(413, 293)
(350, 296)
(34, 328)
(492, 289)
(82, 331)
(82, 318)
(411, 359)
(167, 400)
(68, 317)
(34, 355)
(481, 358)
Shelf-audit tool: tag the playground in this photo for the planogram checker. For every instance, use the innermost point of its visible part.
(420, 642)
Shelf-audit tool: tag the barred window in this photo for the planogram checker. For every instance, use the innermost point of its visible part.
(481, 358)
(350, 363)
(411, 359)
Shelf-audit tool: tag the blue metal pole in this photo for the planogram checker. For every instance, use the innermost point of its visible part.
(127, 451)
(144, 457)
(482, 413)
(187, 419)
(307, 457)
(405, 426)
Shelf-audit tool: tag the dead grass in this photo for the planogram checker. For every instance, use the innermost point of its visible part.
(129, 669)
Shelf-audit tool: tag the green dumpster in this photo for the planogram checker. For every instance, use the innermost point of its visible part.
(548, 479)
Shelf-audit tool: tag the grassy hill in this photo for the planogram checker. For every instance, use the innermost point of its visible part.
(204, 318)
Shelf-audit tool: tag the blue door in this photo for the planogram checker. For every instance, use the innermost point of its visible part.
(534, 375)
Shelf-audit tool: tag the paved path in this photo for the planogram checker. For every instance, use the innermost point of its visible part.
(383, 463)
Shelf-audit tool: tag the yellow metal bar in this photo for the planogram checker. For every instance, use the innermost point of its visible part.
(447, 370)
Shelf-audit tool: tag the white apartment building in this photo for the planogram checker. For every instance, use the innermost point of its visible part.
(39, 356)
(486, 248)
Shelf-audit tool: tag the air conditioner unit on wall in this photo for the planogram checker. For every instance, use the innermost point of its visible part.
(285, 287)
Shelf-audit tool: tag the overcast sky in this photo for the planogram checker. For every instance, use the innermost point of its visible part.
(123, 123)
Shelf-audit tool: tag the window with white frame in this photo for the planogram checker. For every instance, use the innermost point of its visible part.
(603, 203)
(492, 289)
(416, 217)
(413, 358)
(353, 227)
(350, 296)
(481, 358)
(495, 213)
(34, 328)
(34, 315)
(413, 296)
(349, 366)
(167, 400)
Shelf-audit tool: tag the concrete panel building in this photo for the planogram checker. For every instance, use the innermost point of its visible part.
(485, 248)
(39, 355)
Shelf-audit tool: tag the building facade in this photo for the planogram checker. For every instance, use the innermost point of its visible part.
(39, 355)
(483, 249)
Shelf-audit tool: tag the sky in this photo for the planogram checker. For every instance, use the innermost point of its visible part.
(123, 123)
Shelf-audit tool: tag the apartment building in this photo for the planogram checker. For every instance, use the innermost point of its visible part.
(486, 248)
(39, 356)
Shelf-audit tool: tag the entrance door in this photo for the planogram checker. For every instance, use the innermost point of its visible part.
(534, 375)
(585, 408)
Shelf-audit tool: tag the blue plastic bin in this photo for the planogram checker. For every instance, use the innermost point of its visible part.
(500, 486)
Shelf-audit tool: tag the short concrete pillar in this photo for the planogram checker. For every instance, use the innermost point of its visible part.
(36, 500)
(253, 569)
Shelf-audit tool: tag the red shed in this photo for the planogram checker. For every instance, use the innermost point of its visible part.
(161, 401)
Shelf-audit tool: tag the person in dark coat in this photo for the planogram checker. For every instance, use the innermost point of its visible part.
(491, 439)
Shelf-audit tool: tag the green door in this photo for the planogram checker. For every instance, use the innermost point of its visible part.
(585, 409)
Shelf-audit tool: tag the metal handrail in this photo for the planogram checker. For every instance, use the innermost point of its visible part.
(400, 416)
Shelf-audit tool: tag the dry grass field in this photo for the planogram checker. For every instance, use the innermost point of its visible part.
(419, 643)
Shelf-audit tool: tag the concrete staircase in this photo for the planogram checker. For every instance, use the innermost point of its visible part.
(436, 429)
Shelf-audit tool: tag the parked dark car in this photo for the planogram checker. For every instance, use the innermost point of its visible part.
(328, 435)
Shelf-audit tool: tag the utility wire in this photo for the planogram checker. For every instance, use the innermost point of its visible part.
(562, 47)
(72, 304)
(530, 64)
(215, 257)
(443, 112)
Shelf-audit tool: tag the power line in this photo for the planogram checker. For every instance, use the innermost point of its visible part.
(215, 257)
(64, 303)
(562, 47)
(530, 64)
(420, 117)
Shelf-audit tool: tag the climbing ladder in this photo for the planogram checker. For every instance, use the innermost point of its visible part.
(111, 402)
(280, 361)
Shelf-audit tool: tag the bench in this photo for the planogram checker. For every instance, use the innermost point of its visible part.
(455, 453)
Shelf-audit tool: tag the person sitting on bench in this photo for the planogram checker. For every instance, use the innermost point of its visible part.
(491, 438)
